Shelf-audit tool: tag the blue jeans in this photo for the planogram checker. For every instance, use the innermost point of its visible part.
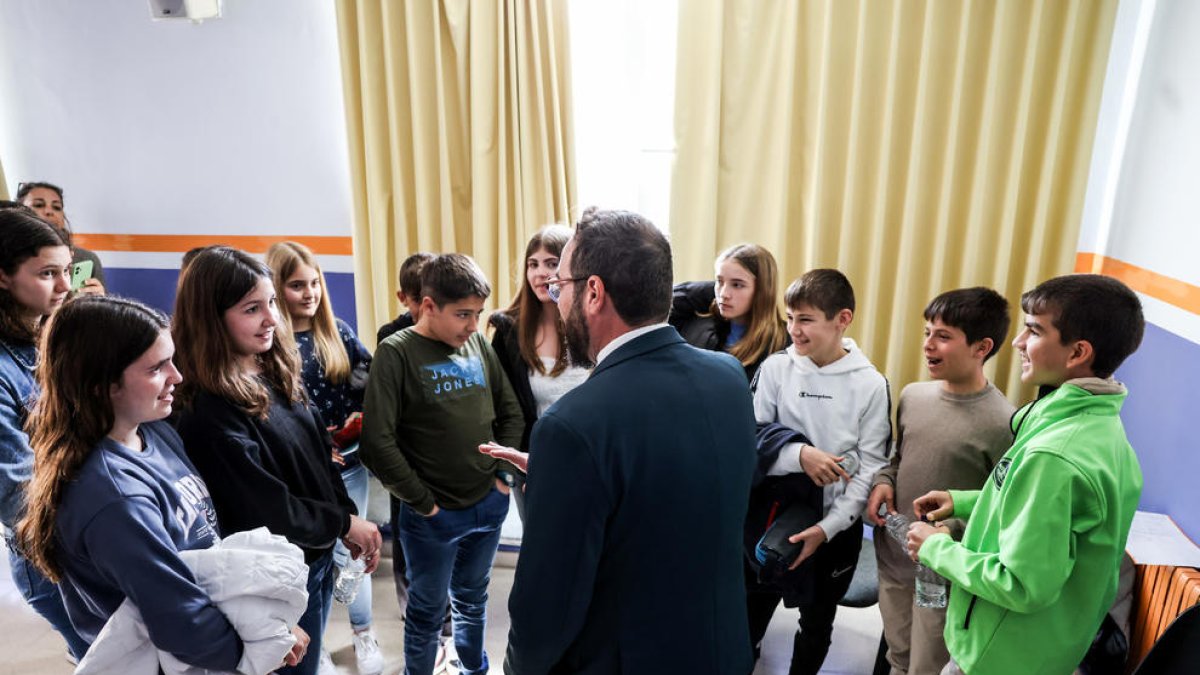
(399, 568)
(357, 482)
(43, 596)
(454, 549)
(320, 596)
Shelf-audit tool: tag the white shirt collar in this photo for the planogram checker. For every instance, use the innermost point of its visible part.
(625, 338)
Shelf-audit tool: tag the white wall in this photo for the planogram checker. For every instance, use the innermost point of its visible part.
(236, 125)
(233, 126)
(1143, 200)
(1156, 219)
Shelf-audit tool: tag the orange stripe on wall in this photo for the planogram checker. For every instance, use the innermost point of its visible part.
(1161, 287)
(179, 243)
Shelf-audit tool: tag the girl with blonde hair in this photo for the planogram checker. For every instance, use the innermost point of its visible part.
(739, 314)
(333, 367)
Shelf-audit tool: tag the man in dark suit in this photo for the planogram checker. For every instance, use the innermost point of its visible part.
(639, 480)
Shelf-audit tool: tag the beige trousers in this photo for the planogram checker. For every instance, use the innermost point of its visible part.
(913, 634)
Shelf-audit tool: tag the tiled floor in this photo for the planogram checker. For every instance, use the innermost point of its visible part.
(28, 646)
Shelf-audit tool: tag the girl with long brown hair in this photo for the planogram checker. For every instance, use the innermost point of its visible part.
(113, 500)
(34, 281)
(530, 340)
(739, 314)
(334, 368)
(248, 428)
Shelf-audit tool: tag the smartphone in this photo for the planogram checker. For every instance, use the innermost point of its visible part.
(80, 272)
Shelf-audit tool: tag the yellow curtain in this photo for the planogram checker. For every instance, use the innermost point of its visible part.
(918, 146)
(459, 122)
(3, 183)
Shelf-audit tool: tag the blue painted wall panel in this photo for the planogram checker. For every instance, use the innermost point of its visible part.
(153, 287)
(1162, 420)
(157, 289)
(341, 293)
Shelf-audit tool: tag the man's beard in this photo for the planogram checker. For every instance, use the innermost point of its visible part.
(578, 339)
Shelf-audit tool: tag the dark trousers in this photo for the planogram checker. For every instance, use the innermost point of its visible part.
(831, 570)
(321, 575)
(518, 493)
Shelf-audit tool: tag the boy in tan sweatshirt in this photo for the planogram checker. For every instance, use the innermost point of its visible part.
(950, 433)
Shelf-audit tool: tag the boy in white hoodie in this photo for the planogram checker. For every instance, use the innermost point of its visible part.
(825, 388)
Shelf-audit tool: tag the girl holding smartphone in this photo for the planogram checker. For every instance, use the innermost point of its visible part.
(46, 200)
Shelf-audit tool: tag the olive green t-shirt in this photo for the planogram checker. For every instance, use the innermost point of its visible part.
(427, 408)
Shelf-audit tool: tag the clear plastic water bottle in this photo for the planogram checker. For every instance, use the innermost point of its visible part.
(345, 588)
(849, 463)
(930, 586)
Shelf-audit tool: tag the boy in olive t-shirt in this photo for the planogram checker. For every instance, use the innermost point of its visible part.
(435, 393)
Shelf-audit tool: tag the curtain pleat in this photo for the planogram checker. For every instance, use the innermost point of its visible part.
(458, 119)
(918, 146)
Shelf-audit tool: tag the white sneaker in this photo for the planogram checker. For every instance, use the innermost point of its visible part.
(325, 664)
(440, 660)
(366, 652)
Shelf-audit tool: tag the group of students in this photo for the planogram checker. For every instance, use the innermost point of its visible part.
(1024, 512)
(282, 412)
(105, 494)
(102, 493)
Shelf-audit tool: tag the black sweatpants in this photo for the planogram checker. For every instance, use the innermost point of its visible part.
(831, 570)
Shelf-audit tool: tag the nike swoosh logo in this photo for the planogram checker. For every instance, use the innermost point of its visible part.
(838, 573)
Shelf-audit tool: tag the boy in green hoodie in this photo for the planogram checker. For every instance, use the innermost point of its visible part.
(1036, 569)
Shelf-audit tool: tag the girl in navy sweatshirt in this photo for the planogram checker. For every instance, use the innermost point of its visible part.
(247, 425)
(113, 499)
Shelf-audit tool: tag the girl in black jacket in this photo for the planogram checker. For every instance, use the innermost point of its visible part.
(739, 314)
(248, 428)
(530, 340)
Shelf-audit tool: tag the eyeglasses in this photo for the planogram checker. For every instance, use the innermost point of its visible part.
(554, 286)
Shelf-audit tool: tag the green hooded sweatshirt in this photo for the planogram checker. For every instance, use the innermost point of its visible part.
(1036, 569)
